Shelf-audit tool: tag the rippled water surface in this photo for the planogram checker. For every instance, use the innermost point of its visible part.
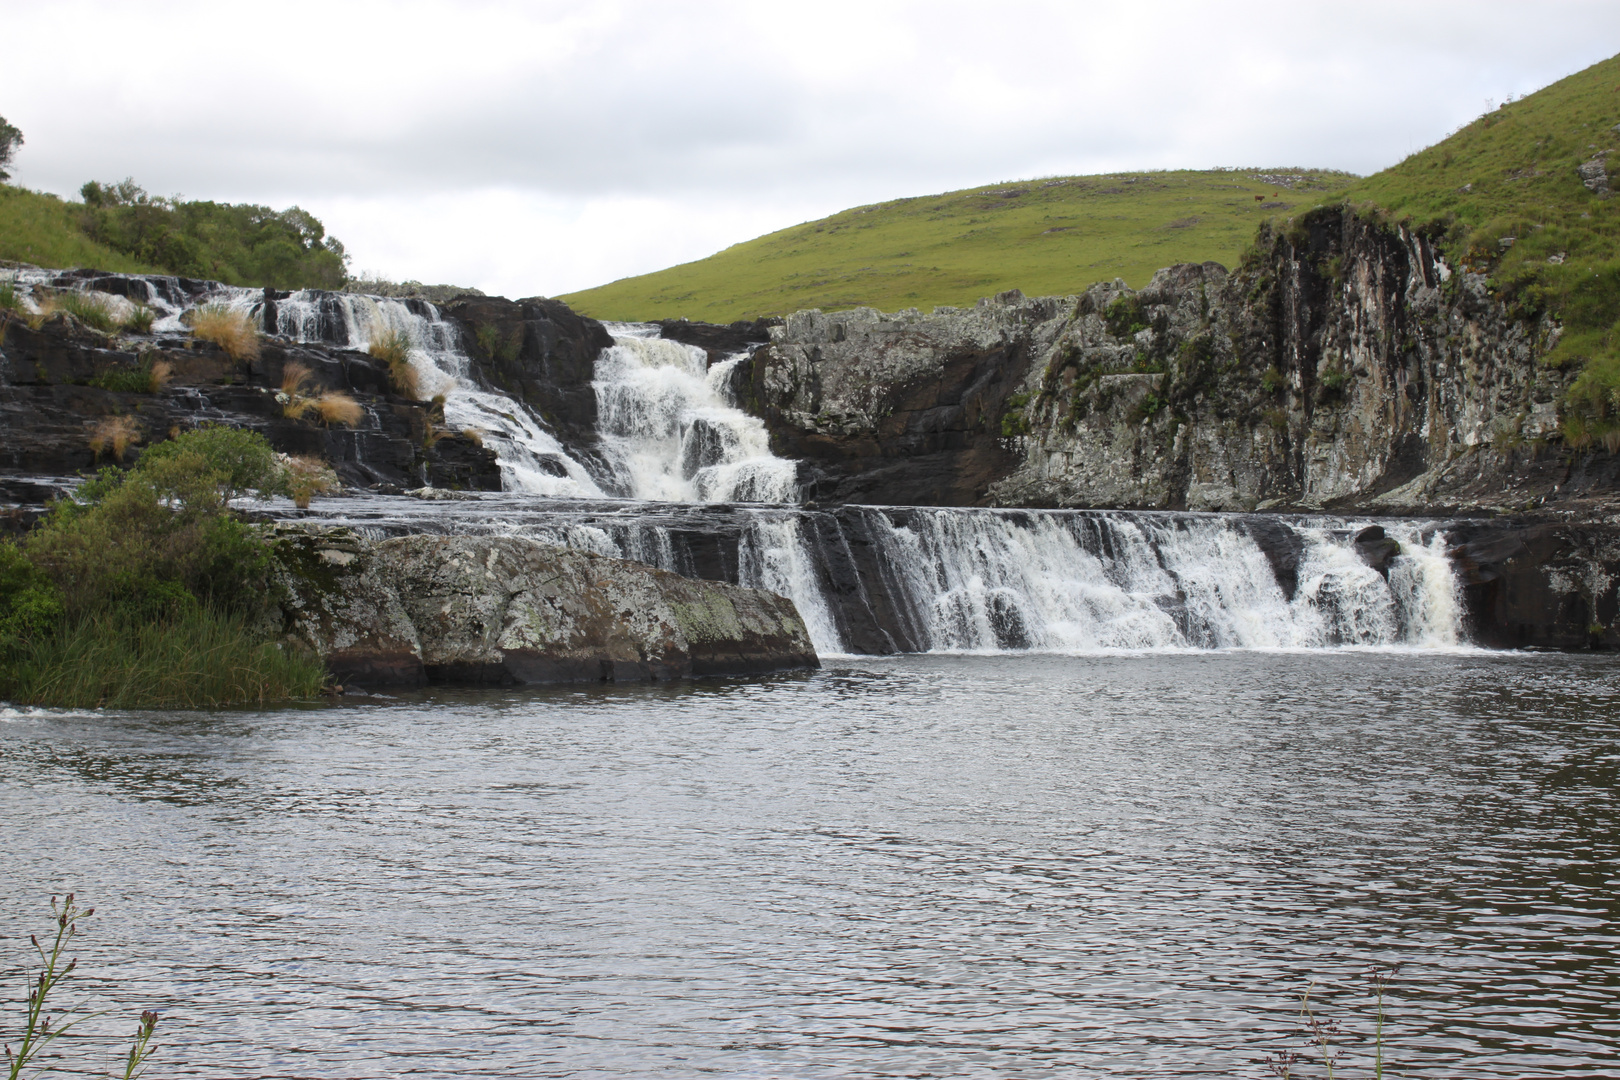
(1010, 866)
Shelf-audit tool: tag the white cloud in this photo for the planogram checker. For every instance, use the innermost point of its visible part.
(542, 147)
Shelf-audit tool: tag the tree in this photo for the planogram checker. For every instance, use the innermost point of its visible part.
(10, 139)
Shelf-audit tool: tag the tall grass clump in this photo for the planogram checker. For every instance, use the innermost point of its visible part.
(138, 321)
(393, 348)
(94, 310)
(10, 299)
(307, 477)
(189, 657)
(226, 327)
(144, 589)
(300, 399)
(114, 436)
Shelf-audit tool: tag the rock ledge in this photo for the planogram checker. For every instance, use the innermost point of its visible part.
(508, 610)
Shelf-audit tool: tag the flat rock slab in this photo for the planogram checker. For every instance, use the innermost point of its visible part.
(509, 610)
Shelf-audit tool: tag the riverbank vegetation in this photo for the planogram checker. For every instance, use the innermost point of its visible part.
(144, 589)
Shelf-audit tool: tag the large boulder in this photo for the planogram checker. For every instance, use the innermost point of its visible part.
(509, 610)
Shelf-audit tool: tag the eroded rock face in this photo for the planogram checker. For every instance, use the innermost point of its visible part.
(507, 610)
(903, 408)
(50, 404)
(541, 352)
(1346, 366)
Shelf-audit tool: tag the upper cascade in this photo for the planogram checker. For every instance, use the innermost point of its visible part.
(531, 458)
(670, 431)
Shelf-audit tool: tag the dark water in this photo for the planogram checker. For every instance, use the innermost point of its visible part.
(998, 866)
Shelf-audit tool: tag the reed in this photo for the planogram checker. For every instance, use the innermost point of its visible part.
(195, 657)
(226, 327)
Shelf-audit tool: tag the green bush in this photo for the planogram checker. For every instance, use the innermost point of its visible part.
(141, 588)
(1126, 317)
(239, 244)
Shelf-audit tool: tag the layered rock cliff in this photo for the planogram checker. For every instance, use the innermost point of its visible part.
(1346, 365)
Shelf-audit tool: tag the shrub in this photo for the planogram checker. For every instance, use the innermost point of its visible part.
(306, 477)
(115, 434)
(226, 327)
(29, 602)
(9, 300)
(235, 460)
(144, 590)
(1126, 316)
(393, 348)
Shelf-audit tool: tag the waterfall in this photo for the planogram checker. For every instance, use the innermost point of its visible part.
(926, 579)
(530, 457)
(867, 579)
(670, 432)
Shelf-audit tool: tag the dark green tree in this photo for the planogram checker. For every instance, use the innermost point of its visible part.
(10, 139)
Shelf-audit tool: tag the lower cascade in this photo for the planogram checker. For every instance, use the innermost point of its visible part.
(915, 579)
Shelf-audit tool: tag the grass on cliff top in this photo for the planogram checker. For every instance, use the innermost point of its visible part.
(121, 227)
(44, 230)
(1507, 192)
(1046, 237)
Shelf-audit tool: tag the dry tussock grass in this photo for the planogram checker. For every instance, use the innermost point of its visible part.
(231, 330)
(393, 347)
(335, 407)
(115, 434)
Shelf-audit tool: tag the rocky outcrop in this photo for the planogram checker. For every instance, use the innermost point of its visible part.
(716, 340)
(902, 408)
(58, 382)
(1345, 366)
(540, 352)
(507, 610)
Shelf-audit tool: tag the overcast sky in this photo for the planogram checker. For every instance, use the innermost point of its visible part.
(536, 148)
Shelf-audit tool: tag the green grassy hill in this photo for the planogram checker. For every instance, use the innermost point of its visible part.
(44, 230)
(1053, 236)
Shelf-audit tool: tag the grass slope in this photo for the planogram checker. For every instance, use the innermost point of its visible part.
(1507, 193)
(44, 230)
(1053, 236)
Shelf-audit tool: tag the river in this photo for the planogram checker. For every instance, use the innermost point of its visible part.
(1124, 864)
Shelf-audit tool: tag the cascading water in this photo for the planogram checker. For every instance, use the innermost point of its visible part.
(530, 457)
(870, 579)
(907, 579)
(669, 432)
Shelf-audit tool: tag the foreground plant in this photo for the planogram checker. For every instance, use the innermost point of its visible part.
(1323, 1036)
(40, 1028)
